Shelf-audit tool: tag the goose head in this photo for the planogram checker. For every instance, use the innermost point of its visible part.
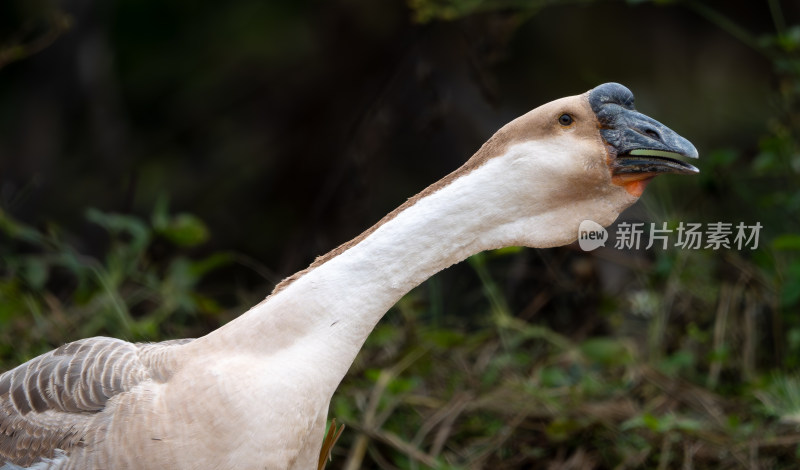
(584, 157)
(639, 146)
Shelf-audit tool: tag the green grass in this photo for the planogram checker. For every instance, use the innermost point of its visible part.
(515, 394)
(139, 288)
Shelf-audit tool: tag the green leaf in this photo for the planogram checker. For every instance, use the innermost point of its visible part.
(673, 364)
(118, 224)
(721, 354)
(19, 231)
(202, 267)
(372, 374)
(443, 338)
(180, 276)
(608, 351)
(651, 422)
(509, 250)
(560, 429)
(400, 385)
(185, 230)
(554, 377)
(35, 271)
(787, 241)
(385, 334)
(790, 40)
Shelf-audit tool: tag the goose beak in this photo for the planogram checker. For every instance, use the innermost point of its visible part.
(640, 146)
(645, 147)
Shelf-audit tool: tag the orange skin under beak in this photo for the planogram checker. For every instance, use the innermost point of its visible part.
(633, 184)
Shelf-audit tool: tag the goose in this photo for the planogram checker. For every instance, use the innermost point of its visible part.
(255, 392)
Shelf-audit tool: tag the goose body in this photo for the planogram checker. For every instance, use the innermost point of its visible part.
(255, 392)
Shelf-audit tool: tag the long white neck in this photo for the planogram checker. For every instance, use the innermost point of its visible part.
(324, 316)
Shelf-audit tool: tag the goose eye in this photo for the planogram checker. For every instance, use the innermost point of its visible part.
(565, 120)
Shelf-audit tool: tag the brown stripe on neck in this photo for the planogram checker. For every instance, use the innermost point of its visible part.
(494, 147)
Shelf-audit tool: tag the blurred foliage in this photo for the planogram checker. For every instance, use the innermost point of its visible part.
(692, 364)
(513, 394)
(50, 291)
(27, 27)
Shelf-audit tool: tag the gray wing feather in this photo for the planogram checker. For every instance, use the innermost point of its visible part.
(48, 402)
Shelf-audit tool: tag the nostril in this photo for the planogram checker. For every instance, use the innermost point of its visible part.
(653, 134)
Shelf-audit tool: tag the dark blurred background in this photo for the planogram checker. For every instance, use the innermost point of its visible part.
(152, 149)
(290, 126)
